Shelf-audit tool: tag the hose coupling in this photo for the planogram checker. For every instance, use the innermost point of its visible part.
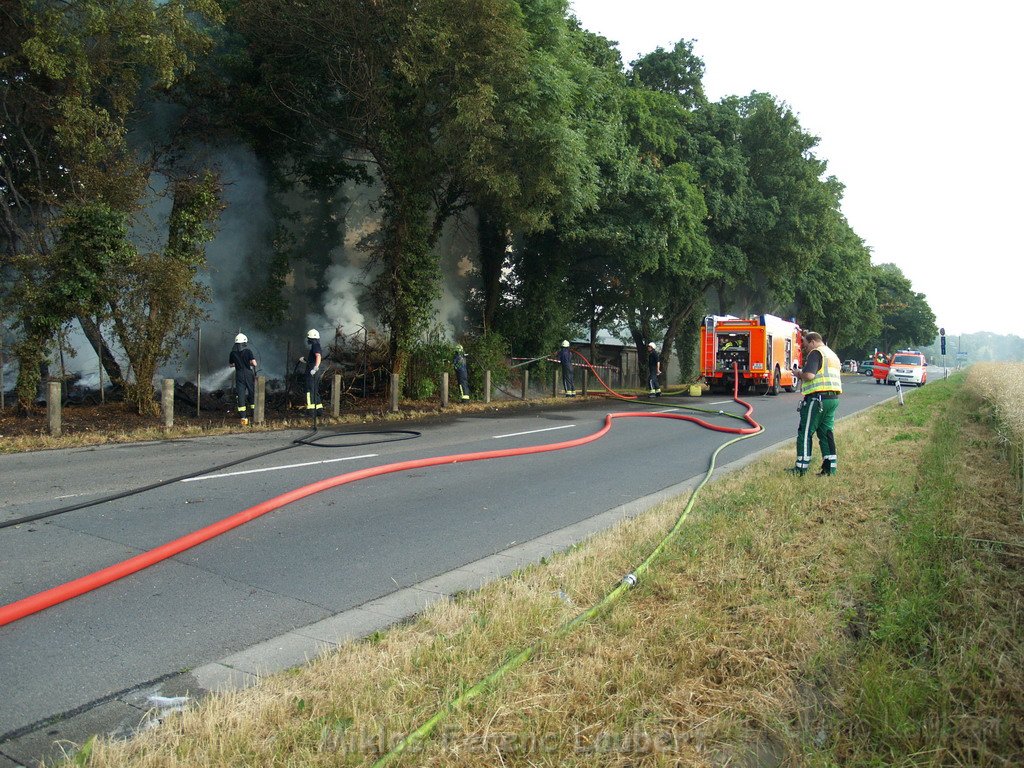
(630, 579)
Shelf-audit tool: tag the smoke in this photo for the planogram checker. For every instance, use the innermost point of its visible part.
(341, 302)
(325, 289)
(456, 248)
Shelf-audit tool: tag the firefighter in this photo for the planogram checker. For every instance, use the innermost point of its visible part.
(654, 369)
(821, 390)
(565, 358)
(461, 372)
(312, 361)
(244, 363)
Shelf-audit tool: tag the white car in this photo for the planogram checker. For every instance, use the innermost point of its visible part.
(908, 368)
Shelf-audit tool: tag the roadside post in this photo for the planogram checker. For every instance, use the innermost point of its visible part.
(336, 395)
(942, 348)
(444, 389)
(260, 401)
(53, 407)
(487, 386)
(167, 402)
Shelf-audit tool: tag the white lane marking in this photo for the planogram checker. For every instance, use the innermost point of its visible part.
(68, 496)
(533, 431)
(720, 402)
(273, 469)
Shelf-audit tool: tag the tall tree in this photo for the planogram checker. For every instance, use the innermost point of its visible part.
(159, 297)
(422, 89)
(906, 316)
(71, 75)
(547, 157)
(836, 295)
(789, 205)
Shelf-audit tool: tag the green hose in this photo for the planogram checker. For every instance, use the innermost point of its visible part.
(527, 653)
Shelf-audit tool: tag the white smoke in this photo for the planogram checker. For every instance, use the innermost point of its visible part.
(341, 302)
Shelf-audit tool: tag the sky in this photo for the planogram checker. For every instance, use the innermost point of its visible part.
(918, 111)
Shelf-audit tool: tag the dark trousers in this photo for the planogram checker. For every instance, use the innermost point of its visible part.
(245, 392)
(313, 393)
(568, 381)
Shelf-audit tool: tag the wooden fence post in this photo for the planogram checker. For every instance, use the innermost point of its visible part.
(260, 402)
(167, 402)
(53, 404)
(336, 396)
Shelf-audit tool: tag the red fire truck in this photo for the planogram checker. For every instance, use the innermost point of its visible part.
(764, 348)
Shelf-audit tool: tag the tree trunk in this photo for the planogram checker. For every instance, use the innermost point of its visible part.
(92, 332)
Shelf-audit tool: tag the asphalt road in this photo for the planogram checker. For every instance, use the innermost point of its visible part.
(317, 557)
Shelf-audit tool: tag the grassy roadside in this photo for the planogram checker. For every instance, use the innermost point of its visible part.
(868, 619)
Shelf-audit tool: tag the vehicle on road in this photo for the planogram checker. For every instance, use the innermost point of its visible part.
(866, 366)
(763, 348)
(907, 366)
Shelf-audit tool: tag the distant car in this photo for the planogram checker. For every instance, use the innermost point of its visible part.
(849, 366)
(908, 367)
(866, 366)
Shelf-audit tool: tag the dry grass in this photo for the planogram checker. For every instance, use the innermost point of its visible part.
(751, 642)
(1001, 386)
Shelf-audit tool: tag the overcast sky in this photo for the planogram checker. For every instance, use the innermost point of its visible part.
(918, 108)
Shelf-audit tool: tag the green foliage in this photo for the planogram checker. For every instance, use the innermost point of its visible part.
(72, 76)
(160, 297)
(488, 352)
(836, 295)
(432, 354)
(905, 315)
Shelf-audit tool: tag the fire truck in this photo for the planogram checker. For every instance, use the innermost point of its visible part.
(764, 348)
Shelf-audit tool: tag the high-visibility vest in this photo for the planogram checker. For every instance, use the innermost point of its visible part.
(827, 378)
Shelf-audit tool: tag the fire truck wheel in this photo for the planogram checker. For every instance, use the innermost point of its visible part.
(776, 386)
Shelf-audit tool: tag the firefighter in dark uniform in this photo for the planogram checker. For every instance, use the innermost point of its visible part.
(312, 361)
(565, 358)
(244, 363)
(653, 369)
(821, 390)
(461, 372)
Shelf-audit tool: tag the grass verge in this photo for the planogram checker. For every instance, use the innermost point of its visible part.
(868, 619)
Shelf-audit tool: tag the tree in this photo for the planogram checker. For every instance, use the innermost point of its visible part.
(426, 90)
(836, 295)
(71, 75)
(906, 317)
(160, 298)
(546, 163)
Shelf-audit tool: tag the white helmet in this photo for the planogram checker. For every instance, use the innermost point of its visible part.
(241, 339)
(313, 334)
(652, 345)
(565, 343)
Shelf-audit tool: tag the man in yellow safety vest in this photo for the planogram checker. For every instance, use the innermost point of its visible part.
(821, 390)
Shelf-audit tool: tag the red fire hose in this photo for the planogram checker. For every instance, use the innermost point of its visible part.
(34, 603)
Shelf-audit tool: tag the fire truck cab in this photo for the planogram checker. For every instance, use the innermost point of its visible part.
(763, 348)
